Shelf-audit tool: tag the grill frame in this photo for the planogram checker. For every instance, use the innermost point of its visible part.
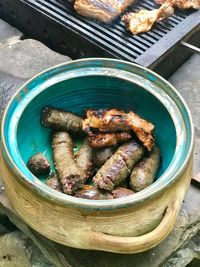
(162, 54)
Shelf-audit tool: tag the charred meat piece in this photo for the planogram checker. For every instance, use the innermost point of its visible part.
(92, 192)
(53, 182)
(182, 4)
(106, 120)
(117, 120)
(84, 160)
(103, 10)
(118, 166)
(101, 155)
(38, 164)
(143, 20)
(69, 175)
(121, 192)
(61, 120)
(99, 140)
(144, 172)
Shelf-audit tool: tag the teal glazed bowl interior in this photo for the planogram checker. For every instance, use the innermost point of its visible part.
(97, 83)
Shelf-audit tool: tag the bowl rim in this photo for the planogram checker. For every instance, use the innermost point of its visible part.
(58, 197)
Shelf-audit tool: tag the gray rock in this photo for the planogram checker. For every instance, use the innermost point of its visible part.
(187, 80)
(20, 60)
(185, 255)
(24, 59)
(8, 86)
(7, 31)
(17, 250)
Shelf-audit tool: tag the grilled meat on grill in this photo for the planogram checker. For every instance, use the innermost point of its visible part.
(103, 10)
(182, 4)
(143, 20)
(117, 120)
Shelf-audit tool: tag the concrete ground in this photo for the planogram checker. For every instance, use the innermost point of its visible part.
(20, 60)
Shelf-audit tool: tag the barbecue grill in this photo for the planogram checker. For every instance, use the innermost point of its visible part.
(55, 23)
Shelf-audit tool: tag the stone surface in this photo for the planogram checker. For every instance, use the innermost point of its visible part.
(19, 61)
(187, 81)
(186, 255)
(17, 250)
(23, 59)
(7, 32)
(12, 252)
(8, 86)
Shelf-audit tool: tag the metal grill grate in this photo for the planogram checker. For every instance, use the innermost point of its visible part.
(55, 23)
(112, 37)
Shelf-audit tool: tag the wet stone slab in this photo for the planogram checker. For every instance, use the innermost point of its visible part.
(7, 32)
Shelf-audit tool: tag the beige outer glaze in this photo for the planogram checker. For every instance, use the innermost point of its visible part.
(128, 230)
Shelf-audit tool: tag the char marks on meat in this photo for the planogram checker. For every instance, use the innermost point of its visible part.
(103, 10)
(99, 140)
(114, 120)
(117, 168)
(144, 20)
(69, 175)
(182, 4)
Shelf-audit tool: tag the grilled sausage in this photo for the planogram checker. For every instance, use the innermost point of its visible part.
(121, 192)
(38, 165)
(84, 160)
(99, 140)
(117, 120)
(118, 166)
(53, 182)
(92, 192)
(144, 172)
(101, 155)
(68, 173)
(61, 120)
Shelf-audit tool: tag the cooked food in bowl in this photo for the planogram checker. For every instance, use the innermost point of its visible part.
(130, 135)
(128, 224)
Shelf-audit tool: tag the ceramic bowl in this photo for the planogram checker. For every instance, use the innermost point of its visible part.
(97, 83)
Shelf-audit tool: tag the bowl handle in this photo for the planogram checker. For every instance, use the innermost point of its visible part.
(130, 245)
